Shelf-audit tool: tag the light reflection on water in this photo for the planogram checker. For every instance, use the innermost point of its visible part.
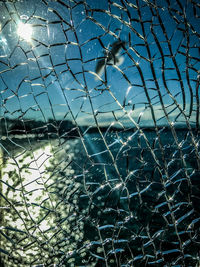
(34, 183)
(30, 169)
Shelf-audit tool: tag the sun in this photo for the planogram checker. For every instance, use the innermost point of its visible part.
(25, 31)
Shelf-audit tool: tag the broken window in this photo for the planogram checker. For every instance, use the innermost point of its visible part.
(99, 148)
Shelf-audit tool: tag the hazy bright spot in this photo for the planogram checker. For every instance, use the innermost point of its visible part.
(25, 31)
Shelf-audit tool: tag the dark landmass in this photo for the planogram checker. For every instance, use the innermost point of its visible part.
(66, 129)
(51, 128)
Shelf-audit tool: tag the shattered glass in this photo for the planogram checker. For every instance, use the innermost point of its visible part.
(99, 148)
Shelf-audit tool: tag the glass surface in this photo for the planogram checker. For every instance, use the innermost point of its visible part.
(99, 148)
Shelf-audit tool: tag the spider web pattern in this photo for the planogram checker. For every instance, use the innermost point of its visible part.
(100, 168)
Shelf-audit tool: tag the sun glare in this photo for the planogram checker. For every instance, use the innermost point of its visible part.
(25, 31)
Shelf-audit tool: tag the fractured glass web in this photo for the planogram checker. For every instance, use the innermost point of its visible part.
(100, 162)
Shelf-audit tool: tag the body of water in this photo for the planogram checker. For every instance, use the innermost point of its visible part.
(130, 197)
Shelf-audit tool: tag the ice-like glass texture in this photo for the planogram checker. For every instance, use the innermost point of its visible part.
(99, 145)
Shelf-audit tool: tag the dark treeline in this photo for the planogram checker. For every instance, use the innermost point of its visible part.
(37, 127)
(61, 128)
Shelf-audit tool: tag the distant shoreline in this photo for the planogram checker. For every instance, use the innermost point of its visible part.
(89, 130)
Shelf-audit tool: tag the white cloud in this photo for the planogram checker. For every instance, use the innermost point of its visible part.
(126, 117)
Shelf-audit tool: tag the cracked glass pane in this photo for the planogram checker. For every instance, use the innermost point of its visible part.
(99, 145)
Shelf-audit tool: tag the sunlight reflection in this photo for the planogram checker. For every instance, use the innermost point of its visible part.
(25, 31)
(28, 177)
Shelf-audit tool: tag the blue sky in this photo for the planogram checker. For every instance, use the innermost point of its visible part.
(31, 87)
